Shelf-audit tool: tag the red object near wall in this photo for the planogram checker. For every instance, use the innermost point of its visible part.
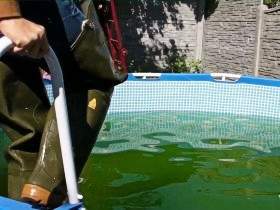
(107, 12)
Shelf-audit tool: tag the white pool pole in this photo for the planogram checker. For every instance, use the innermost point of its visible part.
(63, 126)
(5, 45)
(66, 147)
(61, 116)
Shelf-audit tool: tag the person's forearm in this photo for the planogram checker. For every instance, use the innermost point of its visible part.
(9, 9)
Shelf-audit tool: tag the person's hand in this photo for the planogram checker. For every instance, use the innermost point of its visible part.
(28, 38)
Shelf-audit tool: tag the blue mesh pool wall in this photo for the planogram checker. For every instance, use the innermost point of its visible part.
(198, 92)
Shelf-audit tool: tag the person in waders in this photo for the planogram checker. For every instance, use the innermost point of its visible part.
(35, 170)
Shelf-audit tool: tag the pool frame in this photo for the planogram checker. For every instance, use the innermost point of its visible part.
(211, 77)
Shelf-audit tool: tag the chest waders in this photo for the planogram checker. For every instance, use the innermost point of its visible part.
(34, 157)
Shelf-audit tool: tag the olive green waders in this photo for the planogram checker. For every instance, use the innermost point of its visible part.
(28, 119)
(34, 155)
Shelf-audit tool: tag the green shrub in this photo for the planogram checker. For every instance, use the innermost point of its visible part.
(272, 3)
(181, 64)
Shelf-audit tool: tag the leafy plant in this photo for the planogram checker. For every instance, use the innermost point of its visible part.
(181, 64)
(194, 65)
(272, 3)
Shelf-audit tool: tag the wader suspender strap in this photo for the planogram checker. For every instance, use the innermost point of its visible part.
(85, 6)
(111, 27)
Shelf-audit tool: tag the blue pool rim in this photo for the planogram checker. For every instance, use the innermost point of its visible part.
(211, 92)
(8, 204)
(206, 77)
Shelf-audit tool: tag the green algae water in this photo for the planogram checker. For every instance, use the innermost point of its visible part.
(182, 161)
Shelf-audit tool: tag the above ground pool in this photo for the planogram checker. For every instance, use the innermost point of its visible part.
(187, 141)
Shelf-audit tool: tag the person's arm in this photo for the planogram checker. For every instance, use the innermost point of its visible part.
(28, 38)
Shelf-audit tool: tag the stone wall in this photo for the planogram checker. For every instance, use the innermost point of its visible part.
(269, 64)
(230, 37)
(156, 31)
(239, 36)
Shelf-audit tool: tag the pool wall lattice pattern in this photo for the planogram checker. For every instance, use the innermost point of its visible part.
(196, 92)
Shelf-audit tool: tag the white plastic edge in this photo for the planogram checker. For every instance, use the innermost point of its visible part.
(147, 75)
(225, 76)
